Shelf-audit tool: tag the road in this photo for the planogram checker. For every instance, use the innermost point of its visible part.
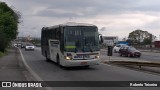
(49, 71)
(151, 56)
(147, 56)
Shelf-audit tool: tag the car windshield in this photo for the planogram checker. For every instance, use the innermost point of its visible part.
(132, 49)
(29, 44)
(80, 39)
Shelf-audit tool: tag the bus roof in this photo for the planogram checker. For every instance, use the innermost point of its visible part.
(71, 24)
(76, 24)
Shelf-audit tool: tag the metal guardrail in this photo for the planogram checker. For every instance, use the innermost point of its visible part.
(136, 63)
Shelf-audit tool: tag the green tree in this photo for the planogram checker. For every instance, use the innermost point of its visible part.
(141, 37)
(9, 20)
(147, 41)
(2, 41)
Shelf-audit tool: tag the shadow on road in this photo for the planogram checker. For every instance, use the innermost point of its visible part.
(72, 68)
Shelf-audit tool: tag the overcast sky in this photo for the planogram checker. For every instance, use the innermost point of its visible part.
(113, 17)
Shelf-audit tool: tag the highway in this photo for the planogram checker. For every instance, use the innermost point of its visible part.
(146, 56)
(49, 71)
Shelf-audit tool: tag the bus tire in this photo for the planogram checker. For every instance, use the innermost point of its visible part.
(58, 61)
(87, 66)
(48, 60)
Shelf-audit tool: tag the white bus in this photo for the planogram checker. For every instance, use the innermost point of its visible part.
(71, 44)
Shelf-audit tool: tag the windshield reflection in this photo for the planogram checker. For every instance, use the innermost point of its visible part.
(81, 39)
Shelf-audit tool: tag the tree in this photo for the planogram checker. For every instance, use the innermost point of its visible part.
(9, 20)
(147, 41)
(141, 37)
(2, 41)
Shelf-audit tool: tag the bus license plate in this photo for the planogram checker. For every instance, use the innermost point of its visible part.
(83, 63)
(82, 56)
(86, 56)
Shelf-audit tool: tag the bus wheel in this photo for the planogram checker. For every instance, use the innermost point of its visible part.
(120, 54)
(58, 62)
(87, 66)
(48, 60)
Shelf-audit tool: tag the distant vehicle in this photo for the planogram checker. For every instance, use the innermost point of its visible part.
(19, 44)
(29, 46)
(117, 47)
(129, 51)
(71, 44)
(15, 44)
(23, 45)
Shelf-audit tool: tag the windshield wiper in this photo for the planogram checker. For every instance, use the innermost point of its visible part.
(90, 48)
(88, 45)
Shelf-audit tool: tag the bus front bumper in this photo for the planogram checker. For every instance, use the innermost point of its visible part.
(68, 63)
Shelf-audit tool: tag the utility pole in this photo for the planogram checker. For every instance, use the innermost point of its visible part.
(151, 42)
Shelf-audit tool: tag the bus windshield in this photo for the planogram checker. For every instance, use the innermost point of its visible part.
(81, 39)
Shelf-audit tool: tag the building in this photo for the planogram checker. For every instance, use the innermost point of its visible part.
(110, 40)
(157, 44)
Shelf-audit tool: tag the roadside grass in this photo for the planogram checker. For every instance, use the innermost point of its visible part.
(3, 53)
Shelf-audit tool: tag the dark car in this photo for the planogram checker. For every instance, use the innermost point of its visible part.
(129, 51)
(23, 45)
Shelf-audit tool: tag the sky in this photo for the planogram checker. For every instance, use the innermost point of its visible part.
(112, 17)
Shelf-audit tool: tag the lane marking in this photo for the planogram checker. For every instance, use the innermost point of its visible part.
(31, 71)
(27, 66)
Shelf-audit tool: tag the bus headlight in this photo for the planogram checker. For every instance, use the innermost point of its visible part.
(68, 58)
(97, 56)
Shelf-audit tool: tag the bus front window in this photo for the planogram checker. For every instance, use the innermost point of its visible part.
(78, 39)
(91, 39)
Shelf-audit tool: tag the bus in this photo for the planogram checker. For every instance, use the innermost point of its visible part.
(71, 44)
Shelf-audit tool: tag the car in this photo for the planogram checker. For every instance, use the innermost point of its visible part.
(129, 51)
(19, 44)
(117, 47)
(29, 46)
(15, 44)
(23, 45)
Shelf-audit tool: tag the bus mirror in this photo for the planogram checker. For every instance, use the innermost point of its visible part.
(101, 38)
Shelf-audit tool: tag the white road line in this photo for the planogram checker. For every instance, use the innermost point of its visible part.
(31, 71)
(28, 68)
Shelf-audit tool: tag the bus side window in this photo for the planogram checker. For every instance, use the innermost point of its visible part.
(54, 43)
(58, 35)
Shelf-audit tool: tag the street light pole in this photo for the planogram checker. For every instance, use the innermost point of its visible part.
(151, 42)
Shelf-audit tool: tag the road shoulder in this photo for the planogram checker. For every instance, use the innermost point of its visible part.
(12, 69)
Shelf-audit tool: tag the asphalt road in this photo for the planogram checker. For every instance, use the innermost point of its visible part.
(146, 56)
(49, 71)
(151, 56)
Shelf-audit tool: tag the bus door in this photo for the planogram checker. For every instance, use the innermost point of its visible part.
(53, 49)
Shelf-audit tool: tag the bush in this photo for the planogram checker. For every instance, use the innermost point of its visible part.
(1, 54)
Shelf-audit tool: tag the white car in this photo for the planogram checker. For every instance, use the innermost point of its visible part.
(117, 47)
(29, 46)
